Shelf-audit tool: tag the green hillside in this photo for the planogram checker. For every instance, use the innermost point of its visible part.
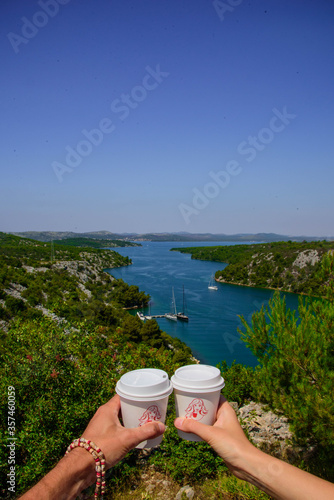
(66, 282)
(286, 266)
(31, 252)
(66, 338)
(94, 243)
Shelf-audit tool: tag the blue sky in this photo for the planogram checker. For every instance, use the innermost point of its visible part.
(169, 115)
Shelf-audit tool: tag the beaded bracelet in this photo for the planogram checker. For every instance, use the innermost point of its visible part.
(99, 461)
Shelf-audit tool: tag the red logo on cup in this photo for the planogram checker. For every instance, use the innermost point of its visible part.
(196, 409)
(150, 415)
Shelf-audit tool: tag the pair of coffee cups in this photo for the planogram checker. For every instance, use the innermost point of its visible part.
(144, 397)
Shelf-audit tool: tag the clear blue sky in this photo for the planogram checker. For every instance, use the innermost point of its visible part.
(180, 89)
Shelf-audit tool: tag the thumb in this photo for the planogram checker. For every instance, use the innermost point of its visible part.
(148, 431)
(190, 425)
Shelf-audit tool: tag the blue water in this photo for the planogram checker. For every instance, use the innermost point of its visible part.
(211, 332)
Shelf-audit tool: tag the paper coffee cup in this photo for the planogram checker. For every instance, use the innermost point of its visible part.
(197, 392)
(144, 397)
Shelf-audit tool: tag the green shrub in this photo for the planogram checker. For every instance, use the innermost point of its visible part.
(239, 382)
(57, 389)
(15, 306)
(4, 314)
(296, 372)
(185, 460)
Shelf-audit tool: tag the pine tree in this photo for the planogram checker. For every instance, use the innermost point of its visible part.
(296, 356)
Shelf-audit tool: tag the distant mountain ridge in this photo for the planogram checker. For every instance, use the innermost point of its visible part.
(177, 236)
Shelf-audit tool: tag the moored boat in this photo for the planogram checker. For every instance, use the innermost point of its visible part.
(141, 316)
(172, 315)
(211, 283)
(182, 315)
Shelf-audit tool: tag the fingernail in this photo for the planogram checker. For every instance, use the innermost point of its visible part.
(179, 422)
(161, 427)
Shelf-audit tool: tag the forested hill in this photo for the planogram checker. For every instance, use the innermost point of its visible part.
(287, 266)
(60, 281)
(71, 286)
(95, 243)
(65, 340)
(32, 251)
(64, 366)
(112, 239)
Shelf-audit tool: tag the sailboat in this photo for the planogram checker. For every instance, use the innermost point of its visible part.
(211, 283)
(182, 315)
(172, 315)
(149, 311)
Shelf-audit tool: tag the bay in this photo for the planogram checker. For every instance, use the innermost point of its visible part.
(212, 330)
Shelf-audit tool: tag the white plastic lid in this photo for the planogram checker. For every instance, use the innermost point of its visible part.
(145, 384)
(198, 378)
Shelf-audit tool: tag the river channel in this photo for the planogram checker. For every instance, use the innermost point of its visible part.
(212, 330)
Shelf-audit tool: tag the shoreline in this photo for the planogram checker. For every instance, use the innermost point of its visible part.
(269, 288)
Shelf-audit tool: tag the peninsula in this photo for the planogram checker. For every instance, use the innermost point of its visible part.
(286, 266)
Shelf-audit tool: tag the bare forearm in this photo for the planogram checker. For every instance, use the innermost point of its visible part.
(283, 481)
(76, 471)
(280, 480)
(72, 474)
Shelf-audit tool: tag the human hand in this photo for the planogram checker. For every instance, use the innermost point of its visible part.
(278, 479)
(115, 441)
(225, 436)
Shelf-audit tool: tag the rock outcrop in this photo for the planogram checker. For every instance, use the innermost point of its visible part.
(265, 428)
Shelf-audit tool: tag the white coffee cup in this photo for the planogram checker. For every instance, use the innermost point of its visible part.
(144, 397)
(197, 392)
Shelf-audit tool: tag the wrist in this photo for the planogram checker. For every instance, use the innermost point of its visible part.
(80, 464)
(253, 463)
(263, 471)
(72, 474)
(244, 461)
